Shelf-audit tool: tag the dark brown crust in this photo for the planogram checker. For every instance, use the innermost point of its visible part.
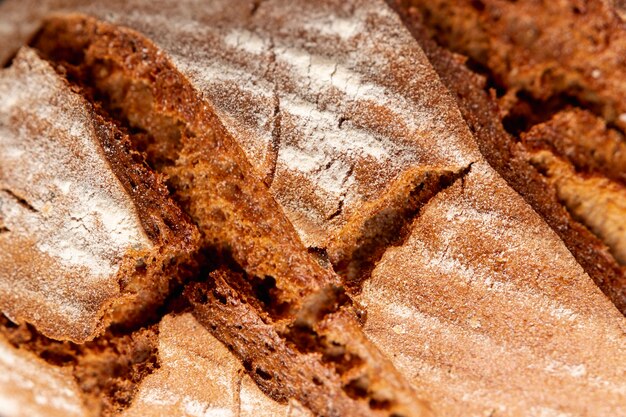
(164, 222)
(508, 158)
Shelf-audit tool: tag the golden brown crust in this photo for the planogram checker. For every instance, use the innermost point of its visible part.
(478, 275)
(482, 302)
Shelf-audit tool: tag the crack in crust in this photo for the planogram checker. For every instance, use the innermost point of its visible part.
(19, 200)
(93, 239)
(339, 384)
(107, 369)
(386, 222)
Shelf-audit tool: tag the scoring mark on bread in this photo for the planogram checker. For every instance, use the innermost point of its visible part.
(383, 223)
(19, 200)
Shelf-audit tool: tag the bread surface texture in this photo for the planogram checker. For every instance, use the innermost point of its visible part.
(359, 249)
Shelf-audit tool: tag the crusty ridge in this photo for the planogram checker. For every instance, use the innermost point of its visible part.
(283, 284)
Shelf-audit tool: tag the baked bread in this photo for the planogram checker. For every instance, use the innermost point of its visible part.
(354, 158)
(532, 46)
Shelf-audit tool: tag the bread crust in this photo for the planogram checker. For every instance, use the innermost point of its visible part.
(512, 161)
(89, 232)
(477, 276)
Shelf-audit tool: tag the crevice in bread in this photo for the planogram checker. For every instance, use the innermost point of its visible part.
(510, 159)
(107, 369)
(520, 112)
(323, 385)
(162, 271)
(595, 201)
(283, 286)
(529, 46)
(359, 245)
(20, 200)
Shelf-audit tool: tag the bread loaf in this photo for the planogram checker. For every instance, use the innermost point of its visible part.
(356, 242)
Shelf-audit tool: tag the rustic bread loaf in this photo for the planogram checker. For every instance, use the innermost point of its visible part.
(304, 138)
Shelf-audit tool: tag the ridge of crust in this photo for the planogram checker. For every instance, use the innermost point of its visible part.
(593, 200)
(215, 183)
(385, 222)
(343, 388)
